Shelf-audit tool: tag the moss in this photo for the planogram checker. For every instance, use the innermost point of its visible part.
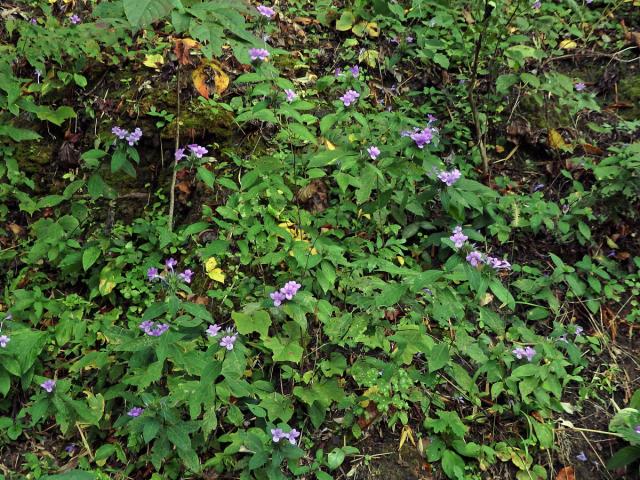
(198, 120)
(629, 91)
(32, 156)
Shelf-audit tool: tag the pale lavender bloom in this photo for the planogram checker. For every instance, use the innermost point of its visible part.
(146, 325)
(277, 298)
(589, 1)
(135, 412)
(431, 119)
(538, 186)
(291, 95)
(409, 39)
(355, 71)
(4, 340)
(474, 258)
(121, 133)
(581, 456)
(578, 330)
(580, 86)
(449, 178)
(266, 11)
(277, 434)
(48, 385)
(134, 136)
(527, 352)
(637, 430)
(338, 72)
(373, 152)
(170, 263)
(349, 97)
(422, 137)
(290, 289)
(75, 19)
(292, 435)
(563, 338)
(179, 155)
(156, 329)
(70, 448)
(537, 4)
(186, 276)
(258, 54)
(34, 21)
(197, 150)
(458, 238)
(152, 273)
(498, 264)
(228, 341)
(213, 330)
(395, 40)
(8, 316)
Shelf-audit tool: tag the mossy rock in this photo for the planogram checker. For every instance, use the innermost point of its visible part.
(198, 120)
(32, 156)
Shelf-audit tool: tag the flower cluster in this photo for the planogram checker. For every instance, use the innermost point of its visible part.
(526, 352)
(421, 136)
(153, 329)
(4, 340)
(228, 340)
(285, 293)
(458, 238)
(154, 274)
(48, 385)
(135, 412)
(476, 258)
(277, 434)
(451, 177)
(373, 152)
(258, 54)
(75, 19)
(131, 138)
(266, 11)
(349, 97)
(195, 149)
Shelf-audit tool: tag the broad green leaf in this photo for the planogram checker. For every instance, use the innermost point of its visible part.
(141, 13)
(89, 257)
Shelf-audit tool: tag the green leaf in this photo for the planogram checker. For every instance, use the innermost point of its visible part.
(346, 21)
(259, 321)
(71, 475)
(623, 457)
(502, 293)
(286, 350)
(438, 357)
(141, 13)
(453, 465)
(89, 257)
(302, 132)
(335, 458)
(18, 134)
(441, 60)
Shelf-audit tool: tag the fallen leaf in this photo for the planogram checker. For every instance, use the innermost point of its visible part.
(214, 273)
(373, 30)
(556, 141)
(592, 149)
(184, 187)
(15, 229)
(153, 61)
(183, 49)
(209, 78)
(566, 473)
(567, 44)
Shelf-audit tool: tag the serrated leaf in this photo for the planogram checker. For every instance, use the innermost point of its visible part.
(89, 257)
(141, 13)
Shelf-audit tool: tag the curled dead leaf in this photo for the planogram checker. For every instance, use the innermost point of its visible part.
(210, 78)
(556, 141)
(566, 473)
(183, 48)
(592, 149)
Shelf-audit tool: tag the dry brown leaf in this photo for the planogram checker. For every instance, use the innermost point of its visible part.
(183, 49)
(15, 229)
(183, 187)
(592, 149)
(566, 473)
(210, 78)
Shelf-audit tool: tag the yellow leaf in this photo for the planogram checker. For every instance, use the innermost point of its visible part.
(213, 272)
(153, 61)
(400, 259)
(209, 78)
(329, 145)
(406, 433)
(556, 141)
(567, 44)
(373, 30)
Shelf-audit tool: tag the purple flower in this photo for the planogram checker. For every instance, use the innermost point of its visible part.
(186, 276)
(422, 137)
(170, 263)
(75, 19)
(355, 71)
(134, 136)
(373, 152)
(4, 340)
(563, 338)
(277, 434)
(582, 457)
(213, 330)
(152, 329)
(266, 11)
(538, 186)
(277, 298)
(580, 86)
(527, 352)
(338, 72)
(258, 54)
(449, 178)
(498, 264)
(197, 150)
(349, 97)
(48, 385)
(291, 95)
(152, 273)
(228, 341)
(637, 429)
(290, 289)
(474, 258)
(146, 325)
(179, 155)
(537, 4)
(409, 39)
(34, 21)
(458, 238)
(135, 412)
(121, 133)
(431, 119)
(70, 448)
(292, 435)
(578, 330)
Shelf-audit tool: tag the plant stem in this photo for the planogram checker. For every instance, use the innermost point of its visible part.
(172, 192)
